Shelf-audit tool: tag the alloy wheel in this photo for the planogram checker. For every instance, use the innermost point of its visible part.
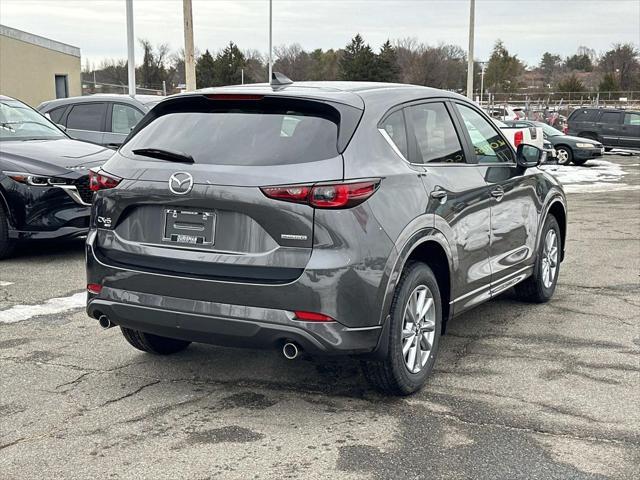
(563, 156)
(418, 328)
(549, 258)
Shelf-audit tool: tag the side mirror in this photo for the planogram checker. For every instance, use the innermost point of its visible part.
(61, 127)
(528, 155)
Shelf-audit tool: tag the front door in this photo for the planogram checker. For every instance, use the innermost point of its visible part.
(630, 131)
(515, 203)
(457, 197)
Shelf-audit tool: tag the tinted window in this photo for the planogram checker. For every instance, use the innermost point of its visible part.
(124, 118)
(489, 146)
(434, 133)
(395, 128)
(632, 118)
(247, 133)
(583, 115)
(610, 117)
(56, 114)
(88, 116)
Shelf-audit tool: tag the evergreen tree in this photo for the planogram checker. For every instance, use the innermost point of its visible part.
(228, 66)
(579, 62)
(571, 83)
(609, 83)
(502, 70)
(205, 70)
(387, 64)
(549, 65)
(358, 61)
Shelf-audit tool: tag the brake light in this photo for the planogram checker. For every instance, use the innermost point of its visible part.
(518, 138)
(230, 96)
(102, 181)
(312, 317)
(94, 288)
(337, 195)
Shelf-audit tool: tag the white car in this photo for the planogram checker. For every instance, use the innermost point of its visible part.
(505, 112)
(516, 136)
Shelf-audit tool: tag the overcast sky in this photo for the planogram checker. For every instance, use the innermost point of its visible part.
(527, 27)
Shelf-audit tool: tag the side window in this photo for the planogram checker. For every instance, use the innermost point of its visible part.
(394, 126)
(632, 119)
(580, 116)
(436, 137)
(610, 117)
(124, 118)
(56, 114)
(87, 116)
(489, 146)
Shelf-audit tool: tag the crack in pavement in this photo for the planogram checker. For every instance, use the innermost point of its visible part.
(131, 394)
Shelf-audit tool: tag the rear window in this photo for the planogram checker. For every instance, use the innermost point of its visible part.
(583, 115)
(242, 132)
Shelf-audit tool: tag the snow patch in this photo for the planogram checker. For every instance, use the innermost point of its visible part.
(18, 313)
(5, 284)
(592, 172)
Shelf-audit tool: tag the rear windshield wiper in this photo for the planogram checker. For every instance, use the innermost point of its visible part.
(163, 154)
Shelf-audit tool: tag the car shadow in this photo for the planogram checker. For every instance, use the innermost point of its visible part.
(48, 248)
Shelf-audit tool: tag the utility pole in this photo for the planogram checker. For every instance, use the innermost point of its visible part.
(482, 82)
(189, 60)
(270, 41)
(131, 60)
(472, 11)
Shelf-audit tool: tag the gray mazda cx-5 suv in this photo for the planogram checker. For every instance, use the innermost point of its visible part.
(334, 218)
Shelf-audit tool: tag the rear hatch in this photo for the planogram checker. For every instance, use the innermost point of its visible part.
(189, 202)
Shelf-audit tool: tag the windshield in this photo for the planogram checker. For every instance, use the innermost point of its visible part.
(19, 122)
(548, 130)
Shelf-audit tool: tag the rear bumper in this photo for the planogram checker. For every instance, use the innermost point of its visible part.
(228, 325)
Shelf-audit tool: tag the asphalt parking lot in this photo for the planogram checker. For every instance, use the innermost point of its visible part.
(519, 391)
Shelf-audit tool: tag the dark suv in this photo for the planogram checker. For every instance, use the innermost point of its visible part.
(614, 128)
(335, 218)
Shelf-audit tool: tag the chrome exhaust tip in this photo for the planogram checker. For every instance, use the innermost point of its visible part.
(290, 351)
(104, 322)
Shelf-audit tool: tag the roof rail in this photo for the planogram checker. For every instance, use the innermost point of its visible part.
(278, 79)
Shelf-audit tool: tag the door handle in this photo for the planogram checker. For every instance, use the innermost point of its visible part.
(439, 194)
(497, 193)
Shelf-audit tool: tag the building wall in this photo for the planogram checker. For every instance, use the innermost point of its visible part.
(27, 71)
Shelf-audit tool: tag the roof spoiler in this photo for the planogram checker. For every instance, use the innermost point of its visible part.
(279, 80)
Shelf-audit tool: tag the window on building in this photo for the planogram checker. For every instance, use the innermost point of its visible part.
(62, 86)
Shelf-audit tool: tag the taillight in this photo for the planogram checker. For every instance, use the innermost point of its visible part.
(94, 288)
(233, 96)
(312, 317)
(101, 181)
(335, 195)
(518, 138)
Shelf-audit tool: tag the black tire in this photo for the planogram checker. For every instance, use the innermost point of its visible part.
(6, 244)
(569, 155)
(153, 343)
(579, 162)
(391, 375)
(533, 289)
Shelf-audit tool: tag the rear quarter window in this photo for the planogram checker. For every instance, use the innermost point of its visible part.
(243, 133)
(583, 115)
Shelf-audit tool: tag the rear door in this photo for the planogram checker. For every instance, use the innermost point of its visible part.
(610, 125)
(513, 197)
(86, 121)
(457, 195)
(210, 218)
(630, 130)
(121, 119)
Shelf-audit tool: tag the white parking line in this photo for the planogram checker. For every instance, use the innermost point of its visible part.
(5, 284)
(18, 313)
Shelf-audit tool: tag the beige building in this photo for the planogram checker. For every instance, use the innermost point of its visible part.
(34, 69)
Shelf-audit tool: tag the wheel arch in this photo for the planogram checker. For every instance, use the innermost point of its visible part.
(558, 209)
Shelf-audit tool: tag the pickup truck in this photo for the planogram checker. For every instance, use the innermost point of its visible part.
(517, 135)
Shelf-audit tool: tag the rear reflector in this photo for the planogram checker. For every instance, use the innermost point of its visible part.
(312, 317)
(338, 195)
(94, 288)
(231, 96)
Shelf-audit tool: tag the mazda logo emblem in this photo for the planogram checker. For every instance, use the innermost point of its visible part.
(180, 183)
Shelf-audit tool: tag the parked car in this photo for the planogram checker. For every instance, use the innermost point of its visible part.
(44, 178)
(105, 119)
(613, 127)
(516, 135)
(334, 218)
(550, 151)
(568, 148)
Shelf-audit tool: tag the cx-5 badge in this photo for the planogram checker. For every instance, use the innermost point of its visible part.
(180, 183)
